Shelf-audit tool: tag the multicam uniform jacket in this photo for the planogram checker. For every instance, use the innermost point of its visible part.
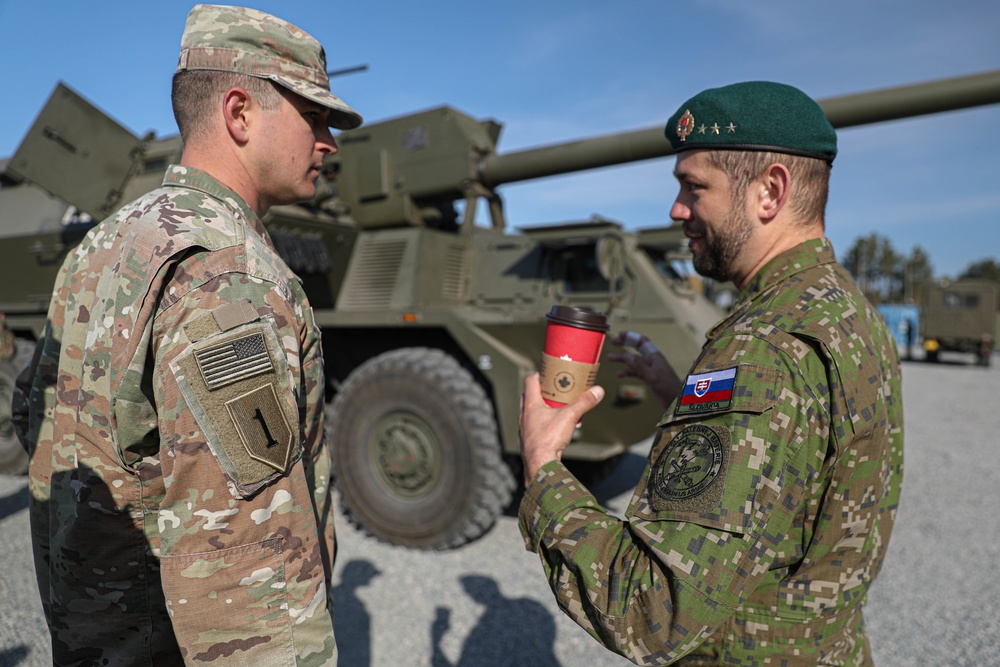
(180, 498)
(769, 496)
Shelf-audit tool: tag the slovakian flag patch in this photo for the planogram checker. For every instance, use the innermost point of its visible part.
(707, 392)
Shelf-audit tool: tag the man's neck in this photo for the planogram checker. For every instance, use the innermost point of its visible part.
(777, 240)
(229, 171)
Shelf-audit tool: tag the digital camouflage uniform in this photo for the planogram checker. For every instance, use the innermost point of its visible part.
(766, 507)
(180, 498)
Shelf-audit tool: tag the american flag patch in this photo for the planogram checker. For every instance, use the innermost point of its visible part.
(234, 360)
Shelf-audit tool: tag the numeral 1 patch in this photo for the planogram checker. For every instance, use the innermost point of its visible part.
(262, 426)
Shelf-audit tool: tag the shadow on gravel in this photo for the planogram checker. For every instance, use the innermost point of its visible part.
(12, 504)
(352, 622)
(14, 656)
(510, 633)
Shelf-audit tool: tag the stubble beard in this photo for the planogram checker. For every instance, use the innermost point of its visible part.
(717, 259)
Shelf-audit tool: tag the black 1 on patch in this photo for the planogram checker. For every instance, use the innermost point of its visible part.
(266, 434)
(691, 462)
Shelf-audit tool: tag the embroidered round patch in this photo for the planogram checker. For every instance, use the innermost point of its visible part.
(689, 464)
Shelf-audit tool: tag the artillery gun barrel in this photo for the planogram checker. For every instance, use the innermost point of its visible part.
(845, 111)
(915, 100)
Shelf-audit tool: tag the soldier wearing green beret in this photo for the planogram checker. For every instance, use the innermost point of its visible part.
(771, 489)
(181, 508)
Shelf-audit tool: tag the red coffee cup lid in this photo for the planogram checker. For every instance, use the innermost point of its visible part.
(582, 318)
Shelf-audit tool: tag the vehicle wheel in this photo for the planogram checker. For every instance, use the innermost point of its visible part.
(931, 356)
(416, 454)
(13, 458)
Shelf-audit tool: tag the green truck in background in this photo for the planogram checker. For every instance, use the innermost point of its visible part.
(961, 316)
(431, 318)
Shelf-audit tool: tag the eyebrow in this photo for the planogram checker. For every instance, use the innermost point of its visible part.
(681, 174)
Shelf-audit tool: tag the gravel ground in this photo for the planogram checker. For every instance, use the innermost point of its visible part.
(936, 602)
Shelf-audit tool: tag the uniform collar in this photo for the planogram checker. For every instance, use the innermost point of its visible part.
(805, 255)
(196, 179)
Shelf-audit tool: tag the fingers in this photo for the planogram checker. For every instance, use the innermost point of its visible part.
(587, 401)
(627, 338)
(533, 394)
(546, 432)
(633, 339)
(633, 361)
(636, 341)
(532, 389)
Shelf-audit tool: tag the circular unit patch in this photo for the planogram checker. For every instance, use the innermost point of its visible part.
(690, 463)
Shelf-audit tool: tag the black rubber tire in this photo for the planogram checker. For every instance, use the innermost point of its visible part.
(416, 453)
(13, 458)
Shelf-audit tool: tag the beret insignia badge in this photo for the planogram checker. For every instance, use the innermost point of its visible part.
(685, 125)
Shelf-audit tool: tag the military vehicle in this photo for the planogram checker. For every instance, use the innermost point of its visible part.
(431, 320)
(961, 317)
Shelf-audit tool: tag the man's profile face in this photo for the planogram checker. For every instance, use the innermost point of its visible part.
(293, 141)
(717, 226)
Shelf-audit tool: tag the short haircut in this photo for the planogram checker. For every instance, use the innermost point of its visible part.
(810, 178)
(194, 90)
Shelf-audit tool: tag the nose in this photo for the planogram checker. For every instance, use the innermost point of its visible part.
(325, 141)
(679, 211)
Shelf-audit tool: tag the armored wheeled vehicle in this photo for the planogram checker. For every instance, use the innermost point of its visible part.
(431, 319)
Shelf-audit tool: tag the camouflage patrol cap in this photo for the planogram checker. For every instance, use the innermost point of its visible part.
(247, 41)
(753, 116)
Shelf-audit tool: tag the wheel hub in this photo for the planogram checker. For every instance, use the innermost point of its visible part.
(406, 454)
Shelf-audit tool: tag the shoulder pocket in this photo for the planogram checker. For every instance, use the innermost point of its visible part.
(740, 388)
(711, 467)
(239, 389)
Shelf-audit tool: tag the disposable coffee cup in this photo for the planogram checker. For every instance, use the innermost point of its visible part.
(574, 338)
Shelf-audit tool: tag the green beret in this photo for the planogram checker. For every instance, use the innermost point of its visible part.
(753, 116)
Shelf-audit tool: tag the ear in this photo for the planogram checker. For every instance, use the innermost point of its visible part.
(775, 187)
(235, 107)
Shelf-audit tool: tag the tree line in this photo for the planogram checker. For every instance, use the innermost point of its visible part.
(886, 276)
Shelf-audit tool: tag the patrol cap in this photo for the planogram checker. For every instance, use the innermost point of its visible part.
(753, 116)
(247, 41)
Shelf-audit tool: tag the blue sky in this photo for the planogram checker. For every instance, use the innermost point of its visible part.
(557, 71)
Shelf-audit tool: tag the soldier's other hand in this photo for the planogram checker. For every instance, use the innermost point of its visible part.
(649, 365)
(545, 432)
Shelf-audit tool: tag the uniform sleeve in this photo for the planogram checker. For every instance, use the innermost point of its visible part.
(245, 558)
(726, 478)
(35, 387)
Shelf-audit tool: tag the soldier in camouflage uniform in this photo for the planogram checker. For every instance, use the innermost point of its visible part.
(769, 496)
(180, 484)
